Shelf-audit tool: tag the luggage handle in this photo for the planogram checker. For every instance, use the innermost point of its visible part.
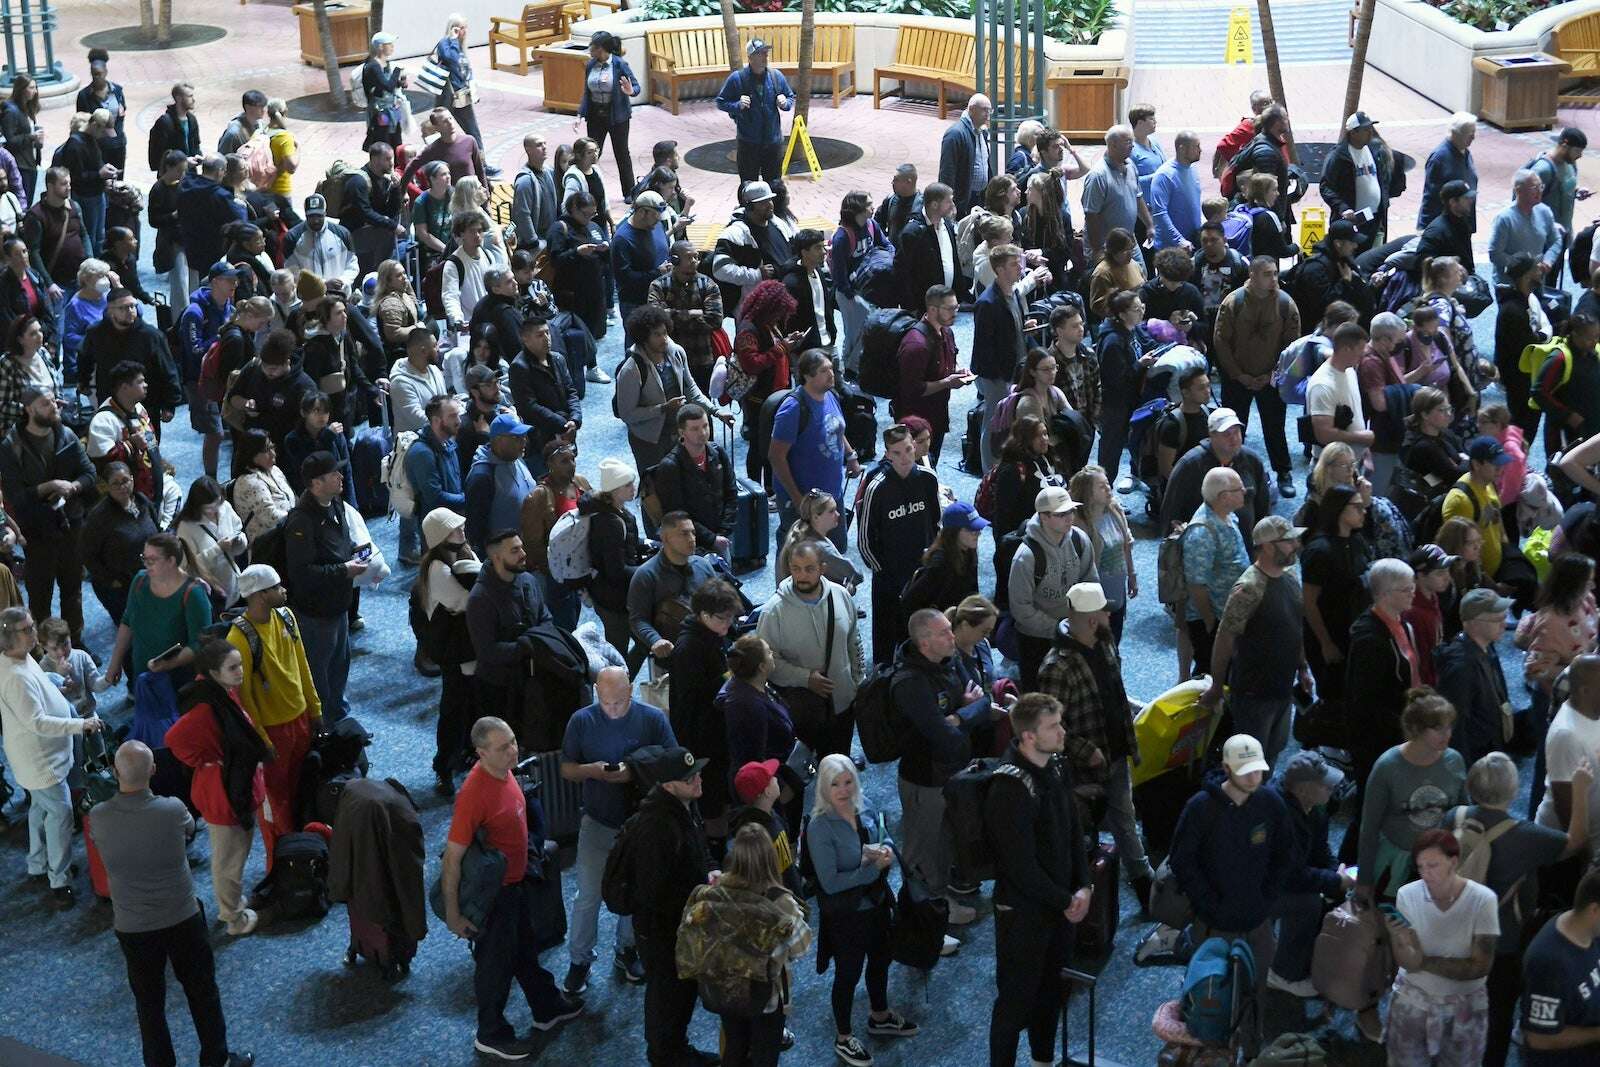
(1070, 979)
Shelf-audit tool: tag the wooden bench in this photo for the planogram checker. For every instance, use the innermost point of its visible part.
(539, 24)
(1577, 41)
(833, 52)
(678, 56)
(946, 58)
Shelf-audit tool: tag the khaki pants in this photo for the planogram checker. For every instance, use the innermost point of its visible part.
(230, 847)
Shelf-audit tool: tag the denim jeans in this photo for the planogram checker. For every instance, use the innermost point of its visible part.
(564, 604)
(853, 312)
(93, 209)
(595, 841)
(327, 645)
(410, 538)
(1299, 918)
(50, 833)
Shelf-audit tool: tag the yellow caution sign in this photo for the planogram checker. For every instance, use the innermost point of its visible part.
(1313, 228)
(1238, 37)
(798, 134)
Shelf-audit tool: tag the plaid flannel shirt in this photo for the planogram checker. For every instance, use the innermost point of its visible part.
(1067, 676)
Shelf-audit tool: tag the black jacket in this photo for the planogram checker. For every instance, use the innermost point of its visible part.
(1513, 331)
(1475, 683)
(80, 154)
(918, 265)
(937, 583)
(805, 311)
(1311, 867)
(1376, 679)
(22, 470)
(169, 133)
(615, 552)
(113, 540)
(163, 213)
(1182, 497)
(325, 355)
(1263, 155)
(277, 400)
(14, 302)
(698, 665)
(499, 616)
(544, 395)
(894, 212)
(104, 346)
(1338, 184)
(1447, 235)
(710, 496)
(1317, 283)
(368, 202)
(1040, 858)
(318, 547)
(501, 313)
(670, 844)
(897, 520)
(923, 693)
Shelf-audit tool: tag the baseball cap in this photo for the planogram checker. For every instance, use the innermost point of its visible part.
(963, 516)
(1357, 120)
(1242, 754)
(1311, 767)
(756, 192)
(507, 423)
(1425, 559)
(317, 465)
(753, 778)
(1276, 528)
(1222, 420)
(1454, 188)
(1087, 596)
(1485, 449)
(1480, 602)
(1343, 230)
(667, 763)
(756, 45)
(256, 577)
(1052, 500)
(316, 205)
(649, 199)
(223, 269)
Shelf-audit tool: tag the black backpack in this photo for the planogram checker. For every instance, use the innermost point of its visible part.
(880, 351)
(297, 888)
(964, 795)
(272, 548)
(1432, 516)
(1578, 257)
(877, 722)
(618, 888)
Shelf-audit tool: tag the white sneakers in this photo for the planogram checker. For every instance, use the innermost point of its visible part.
(950, 946)
(243, 923)
(597, 376)
(1303, 988)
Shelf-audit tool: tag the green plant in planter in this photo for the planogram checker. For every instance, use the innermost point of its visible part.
(679, 9)
(1070, 21)
(1491, 15)
(1078, 21)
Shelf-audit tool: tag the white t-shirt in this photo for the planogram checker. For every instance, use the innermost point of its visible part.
(1448, 934)
(1571, 737)
(1329, 388)
(1368, 193)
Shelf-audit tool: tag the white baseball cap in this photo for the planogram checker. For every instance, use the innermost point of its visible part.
(1242, 754)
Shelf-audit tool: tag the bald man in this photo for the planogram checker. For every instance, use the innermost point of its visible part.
(599, 739)
(964, 163)
(143, 841)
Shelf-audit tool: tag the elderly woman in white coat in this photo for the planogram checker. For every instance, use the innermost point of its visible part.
(652, 384)
(39, 725)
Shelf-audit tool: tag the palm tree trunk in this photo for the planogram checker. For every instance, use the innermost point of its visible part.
(730, 31)
(164, 23)
(375, 18)
(1358, 59)
(808, 47)
(1269, 48)
(147, 19)
(330, 57)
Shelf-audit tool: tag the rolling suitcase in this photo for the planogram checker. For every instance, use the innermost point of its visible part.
(972, 442)
(561, 800)
(391, 950)
(97, 870)
(1099, 928)
(367, 456)
(752, 530)
(860, 419)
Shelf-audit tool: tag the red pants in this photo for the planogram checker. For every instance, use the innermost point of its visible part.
(292, 740)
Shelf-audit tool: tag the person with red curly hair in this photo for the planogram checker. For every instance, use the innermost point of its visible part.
(762, 350)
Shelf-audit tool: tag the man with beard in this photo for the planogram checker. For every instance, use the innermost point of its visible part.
(1258, 647)
(123, 335)
(503, 606)
(47, 479)
(431, 465)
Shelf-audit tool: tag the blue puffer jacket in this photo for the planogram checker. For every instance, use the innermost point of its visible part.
(199, 325)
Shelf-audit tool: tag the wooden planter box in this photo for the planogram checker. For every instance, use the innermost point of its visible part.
(351, 42)
(1087, 98)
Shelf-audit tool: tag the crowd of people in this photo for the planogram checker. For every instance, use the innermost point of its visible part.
(382, 344)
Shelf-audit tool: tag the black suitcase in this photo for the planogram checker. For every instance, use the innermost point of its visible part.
(972, 443)
(1098, 930)
(561, 800)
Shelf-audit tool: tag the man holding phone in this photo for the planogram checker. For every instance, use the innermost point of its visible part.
(1356, 179)
(323, 568)
(598, 740)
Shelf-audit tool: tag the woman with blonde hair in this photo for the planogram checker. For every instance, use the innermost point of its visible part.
(285, 157)
(459, 91)
(817, 516)
(751, 894)
(1102, 518)
(398, 310)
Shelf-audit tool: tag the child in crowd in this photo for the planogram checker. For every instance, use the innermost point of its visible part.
(80, 678)
(1214, 208)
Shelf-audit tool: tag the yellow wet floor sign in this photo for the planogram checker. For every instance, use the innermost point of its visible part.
(797, 133)
(1313, 228)
(1238, 37)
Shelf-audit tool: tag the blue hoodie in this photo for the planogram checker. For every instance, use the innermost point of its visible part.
(1231, 859)
(204, 208)
(495, 491)
(434, 473)
(759, 123)
(199, 325)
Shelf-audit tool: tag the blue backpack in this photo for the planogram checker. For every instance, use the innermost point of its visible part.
(1221, 975)
(1236, 227)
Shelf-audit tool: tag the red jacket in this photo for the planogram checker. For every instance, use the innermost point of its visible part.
(196, 741)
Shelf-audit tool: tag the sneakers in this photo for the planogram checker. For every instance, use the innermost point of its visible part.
(962, 889)
(506, 1049)
(787, 1042)
(629, 965)
(1367, 1021)
(697, 1057)
(851, 1051)
(357, 624)
(597, 376)
(425, 666)
(1286, 487)
(571, 1008)
(1126, 484)
(243, 923)
(961, 914)
(950, 946)
(577, 979)
(891, 1025)
(62, 898)
(241, 1059)
(444, 784)
(1302, 989)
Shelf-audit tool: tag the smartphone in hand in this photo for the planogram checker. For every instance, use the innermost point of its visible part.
(168, 654)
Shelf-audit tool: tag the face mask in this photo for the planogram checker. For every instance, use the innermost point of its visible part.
(103, 286)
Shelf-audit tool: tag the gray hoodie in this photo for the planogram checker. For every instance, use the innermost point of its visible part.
(797, 634)
(1038, 607)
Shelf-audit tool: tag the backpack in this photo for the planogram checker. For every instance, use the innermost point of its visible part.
(1432, 516)
(235, 617)
(213, 384)
(877, 722)
(331, 187)
(727, 942)
(263, 170)
(1477, 852)
(433, 284)
(616, 373)
(297, 887)
(965, 794)
(983, 500)
(569, 550)
(402, 497)
(271, 547)
(880, 351)
(1534, 357)
(1237, 226)
(1582, 248)
(618, 890)
(1220, 974)
(1172, 587)
(1005, 413)
(1297, 363)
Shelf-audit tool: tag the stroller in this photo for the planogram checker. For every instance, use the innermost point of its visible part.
(375, 868)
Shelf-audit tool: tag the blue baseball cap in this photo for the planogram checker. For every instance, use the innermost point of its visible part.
(507, 423)
(1485, 449)
(963, 516)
